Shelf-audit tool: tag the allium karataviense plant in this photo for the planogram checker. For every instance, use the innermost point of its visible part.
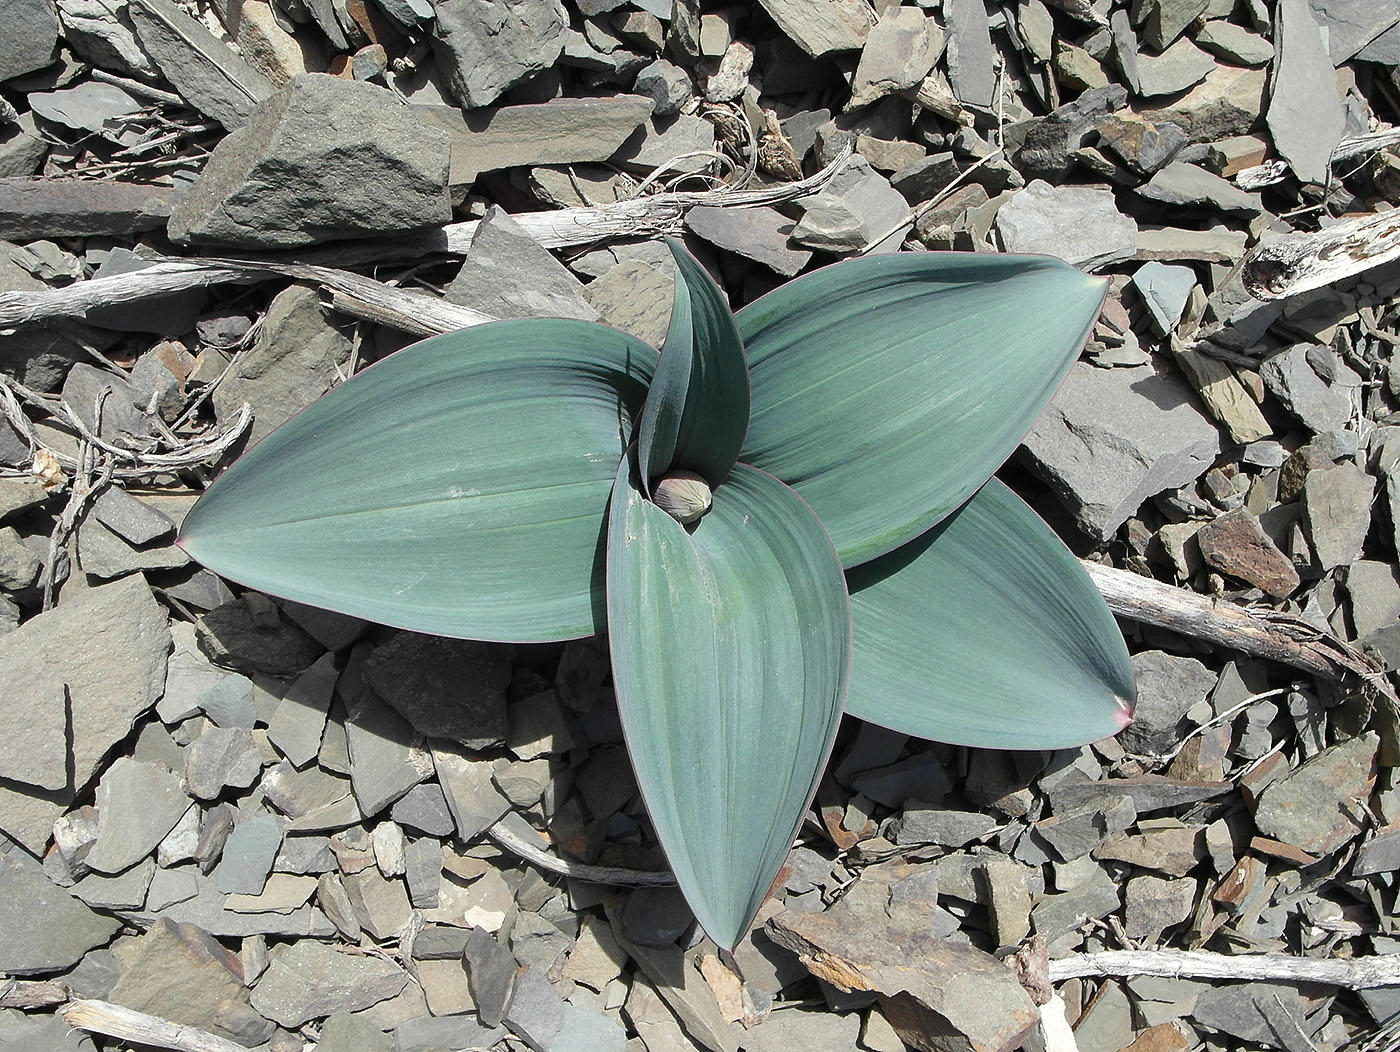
(836, 439)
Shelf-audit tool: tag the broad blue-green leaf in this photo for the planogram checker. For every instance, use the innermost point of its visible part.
(986, 631)
(698, 407)
(730, 648)
(887, 389)
(458, 487)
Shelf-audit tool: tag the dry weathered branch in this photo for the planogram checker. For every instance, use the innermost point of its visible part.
(102, 1017)
(407, 311)
(1298, 263)
(565, 228)
(1355, 974)
(20, 993)
(519, 838)
(1278, 637)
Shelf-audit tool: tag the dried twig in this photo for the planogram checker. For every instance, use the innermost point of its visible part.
(565, 228)
(518, 837)
(102, 1017)
(124, 463)
(1298, 263)
(1359, 973)
(1279, 637)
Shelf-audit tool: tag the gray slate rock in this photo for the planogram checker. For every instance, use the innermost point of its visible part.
(19, 567)
(248, 856)
(1305, 116)
(821, 29)
(943, 826)
(1181, 66)
(34, 749)
(424, 808)
(1252, 1012)
(133, 520)
(229, 703)
(508, 274)
(1234, 43)
(31, 33)
(208, 74)
(472, 796)
(535, 1013)
(667, 85)
(206, 910)
(22, 149)
(42, 927)
(1187, 185)
(444, 688)
(37, 208)
(383, 761)
(1337, 511)
(1111, 438)
(1321, 405)
(309, 980)
(1168, 19)
(181, 973)
(1351, 25)
(1079, 224)
(661, 140)
(232, 637)
(137, 804)
(485, 48)
(300, 720)
(109, 646)
(1168, 686)
(1164, 290)
(560, 131)
(426, 1033)
(101, 34)
(220, 758)
(102, 553)
(898, 54)
(971, 70)
(759, 234)
(1318, 807)
(302, 349)
(323, 158)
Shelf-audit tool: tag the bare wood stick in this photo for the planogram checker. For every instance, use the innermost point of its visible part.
(102, 1017)
(1360, 973)
(519, 838)
(407, 311)
(20, 993)
(1298, 263)
(1279, 637)
(564, 228)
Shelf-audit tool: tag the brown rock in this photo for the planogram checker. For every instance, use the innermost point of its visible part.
(181, 973)
(1228, 102)
(1235, 544)
(1164, 1037)
(939, 996)
(1174, 850)
(1295, 471)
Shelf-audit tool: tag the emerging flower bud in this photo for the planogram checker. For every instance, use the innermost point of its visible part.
(683, 495)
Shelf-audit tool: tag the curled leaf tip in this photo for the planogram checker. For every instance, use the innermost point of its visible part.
(1124, 713)
(683, 495)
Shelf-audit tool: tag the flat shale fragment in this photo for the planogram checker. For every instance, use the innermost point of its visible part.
(939, 995)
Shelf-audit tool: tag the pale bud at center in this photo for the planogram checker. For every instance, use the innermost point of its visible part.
(683, 495)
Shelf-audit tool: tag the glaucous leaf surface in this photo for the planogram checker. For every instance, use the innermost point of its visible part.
(730, 648)
(887, 389)
(698, 407)
(986, 631)
(458, 487)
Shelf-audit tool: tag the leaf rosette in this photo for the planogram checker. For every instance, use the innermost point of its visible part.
(784, 516)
